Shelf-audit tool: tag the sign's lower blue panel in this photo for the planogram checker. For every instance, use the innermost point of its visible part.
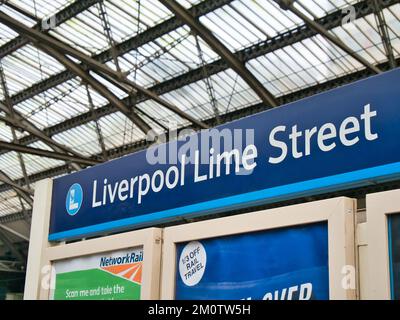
(344, 138)
(302, 189)
(280, 264)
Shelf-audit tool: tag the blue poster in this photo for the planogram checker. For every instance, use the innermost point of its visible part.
(281, 264)
(394, 254)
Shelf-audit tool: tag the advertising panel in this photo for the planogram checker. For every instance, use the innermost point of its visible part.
(106, 276)
(288, 263)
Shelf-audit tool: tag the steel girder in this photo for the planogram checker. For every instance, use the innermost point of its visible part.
(126, 46)
(13, 133)
(17, 120)
(14, 232)
(363, 8)
(287, 38)
(231, 59)
(48, 154)
(384, 32)
(52, 45)
(237, 114)
(332, 20)
(288, 5)
(97, 86)
(16, 253)
(99, 133)
(24, 193)
(20, 10)
(18, 216)
(60, 17)
(11, 266)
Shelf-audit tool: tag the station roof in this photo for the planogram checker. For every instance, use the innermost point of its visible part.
(148, 43)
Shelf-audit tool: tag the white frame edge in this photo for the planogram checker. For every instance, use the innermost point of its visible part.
(149, 239)
(42, 252)
(38, 239)
(379, 206)
(338, 212)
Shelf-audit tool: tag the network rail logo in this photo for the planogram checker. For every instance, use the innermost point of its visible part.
(73, 201)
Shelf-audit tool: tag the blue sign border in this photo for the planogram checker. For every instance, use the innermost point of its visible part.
(343, 181)
(369, 162)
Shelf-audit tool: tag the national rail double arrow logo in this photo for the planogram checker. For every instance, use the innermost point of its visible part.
(74, 199)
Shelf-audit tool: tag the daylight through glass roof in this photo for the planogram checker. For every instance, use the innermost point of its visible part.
(147, 44)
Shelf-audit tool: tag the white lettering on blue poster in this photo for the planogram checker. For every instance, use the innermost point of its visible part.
(341, 139)
(281, 264)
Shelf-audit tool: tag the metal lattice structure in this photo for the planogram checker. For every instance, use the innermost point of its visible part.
(83, 81)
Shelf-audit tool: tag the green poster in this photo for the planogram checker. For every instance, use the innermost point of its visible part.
(107, 276)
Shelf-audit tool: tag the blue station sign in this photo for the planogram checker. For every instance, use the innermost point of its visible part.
(344, 138)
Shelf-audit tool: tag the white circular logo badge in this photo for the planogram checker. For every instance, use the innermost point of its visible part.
(73, 201)
(192, 263)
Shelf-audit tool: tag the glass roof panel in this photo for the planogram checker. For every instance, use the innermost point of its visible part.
(82, 139)
(17, 15)
(27, 66)
(7, 34)
(59, 104)
(9, 203)
(41, 8)
(9, 164)
(83, 32)
(118, 130)
(158, 63)
(5, 132)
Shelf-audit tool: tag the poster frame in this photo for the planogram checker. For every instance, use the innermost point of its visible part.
(339, 213)
(380, 206)
(42, 253)
(149, 240)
